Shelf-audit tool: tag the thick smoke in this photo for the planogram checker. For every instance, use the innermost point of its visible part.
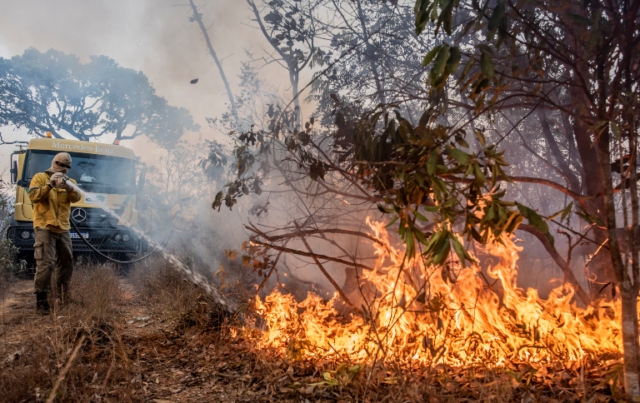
(157, 38)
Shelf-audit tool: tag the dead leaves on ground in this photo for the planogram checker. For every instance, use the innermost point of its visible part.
(222, 367)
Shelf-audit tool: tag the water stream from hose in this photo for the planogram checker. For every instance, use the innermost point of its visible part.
(196, 278)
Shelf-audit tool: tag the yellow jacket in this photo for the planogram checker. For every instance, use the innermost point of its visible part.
(51, 207)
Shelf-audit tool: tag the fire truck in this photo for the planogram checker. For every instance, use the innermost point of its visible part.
(106, 173)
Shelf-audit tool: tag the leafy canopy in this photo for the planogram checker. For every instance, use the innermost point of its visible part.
(54, 92)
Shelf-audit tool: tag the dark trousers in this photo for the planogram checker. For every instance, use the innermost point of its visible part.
(53, 249)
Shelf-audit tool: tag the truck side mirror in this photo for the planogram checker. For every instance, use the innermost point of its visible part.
(14, 172)
(141, 180)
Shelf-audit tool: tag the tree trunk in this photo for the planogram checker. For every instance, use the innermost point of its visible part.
(628, 291)
(198, 18)
(370, 54)
(561, 162)
(601, 265)
(294, 78)
(630, 341)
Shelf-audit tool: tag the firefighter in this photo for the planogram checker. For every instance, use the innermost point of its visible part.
(52, 196)
(184, 214)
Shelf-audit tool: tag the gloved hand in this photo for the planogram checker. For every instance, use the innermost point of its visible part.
(65, 185)
(57, 179)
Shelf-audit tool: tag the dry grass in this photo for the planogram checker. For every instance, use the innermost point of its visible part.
(94, 296)
(36, 358)
(166, 290)
(186, 355)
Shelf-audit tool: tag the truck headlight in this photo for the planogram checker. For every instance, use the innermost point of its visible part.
(118, 238)
(26, 234)
(125, 238)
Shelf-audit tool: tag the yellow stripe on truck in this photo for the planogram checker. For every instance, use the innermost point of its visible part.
(81, 147)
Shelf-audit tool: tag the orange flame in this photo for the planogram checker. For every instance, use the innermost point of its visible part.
(419, 314)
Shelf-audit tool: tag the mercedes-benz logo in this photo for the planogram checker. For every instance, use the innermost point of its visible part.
(79, 215)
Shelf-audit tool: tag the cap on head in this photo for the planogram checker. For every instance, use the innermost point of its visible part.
(61, 163)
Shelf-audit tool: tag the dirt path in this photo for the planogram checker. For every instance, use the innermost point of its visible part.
(165, 360)
(142, 351)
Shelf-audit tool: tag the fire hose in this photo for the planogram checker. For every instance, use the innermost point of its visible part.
(110, 258)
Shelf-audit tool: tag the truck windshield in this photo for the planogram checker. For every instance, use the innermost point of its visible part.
(94, 173)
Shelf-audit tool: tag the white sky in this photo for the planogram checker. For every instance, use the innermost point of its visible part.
(152, 36)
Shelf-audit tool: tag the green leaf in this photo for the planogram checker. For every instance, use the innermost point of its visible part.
(384, 209)
(480, 137)
(420, 236)
(431, 164)
(590, 218)
(420, 216)
(440, 62)
(459, 155)
(424, 119)
(565, 211)
(457, 246)
(409, 241)
(462, 142)
(454, 59)
(466, 69)
(479, 175)
(537, 222)
(481, 86)
(476, 235)
(442, 254)
(432, 209)
(392, 222)
(429, 57)
(422, 11)
(496, 16)
(486, 64)
(578, 19)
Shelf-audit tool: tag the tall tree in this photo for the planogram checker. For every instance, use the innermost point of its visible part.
(54, 92)
(553, 82)
(372, 54)
(579, 58)
(292, 31)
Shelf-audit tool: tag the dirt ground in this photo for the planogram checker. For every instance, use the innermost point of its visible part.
(152, 337)
(166, 360)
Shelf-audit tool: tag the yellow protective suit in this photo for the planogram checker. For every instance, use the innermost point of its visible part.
(51, 206)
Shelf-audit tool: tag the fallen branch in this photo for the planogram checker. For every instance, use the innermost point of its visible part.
(64, 371)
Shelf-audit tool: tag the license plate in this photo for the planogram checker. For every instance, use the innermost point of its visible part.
(74, 235)
(95, 198)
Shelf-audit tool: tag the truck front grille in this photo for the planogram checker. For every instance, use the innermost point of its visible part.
(95, 217)
(101, 239)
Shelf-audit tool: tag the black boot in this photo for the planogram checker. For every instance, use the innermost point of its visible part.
(42, 305)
